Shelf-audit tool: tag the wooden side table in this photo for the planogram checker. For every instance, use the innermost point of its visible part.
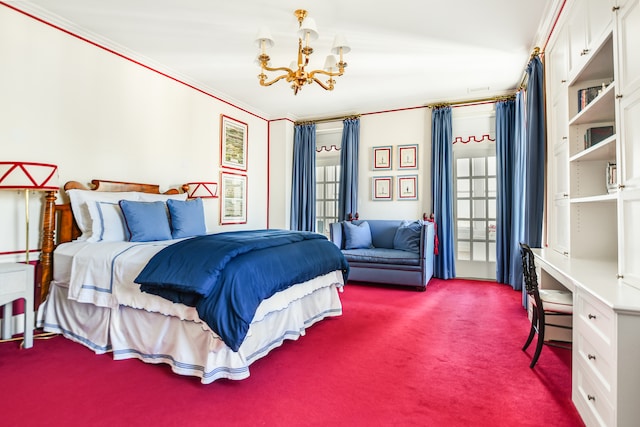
(16, 282)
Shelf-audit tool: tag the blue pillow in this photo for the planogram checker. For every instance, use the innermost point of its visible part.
(187, 218)
(146, 221)
(407, 236)
(357, 236)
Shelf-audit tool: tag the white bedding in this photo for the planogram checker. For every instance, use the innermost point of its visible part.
(94, 301)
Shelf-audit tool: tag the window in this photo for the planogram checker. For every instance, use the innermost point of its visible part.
(327, 178)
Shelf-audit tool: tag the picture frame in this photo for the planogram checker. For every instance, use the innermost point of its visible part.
(233, 198)
(382, 188)
(234, 136)
(382, 158)
(408, 156)
(408, 187)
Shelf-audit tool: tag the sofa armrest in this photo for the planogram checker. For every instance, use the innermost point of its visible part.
(335, 234)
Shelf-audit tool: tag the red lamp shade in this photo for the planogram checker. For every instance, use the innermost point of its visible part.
(28, 176)
(203, 190)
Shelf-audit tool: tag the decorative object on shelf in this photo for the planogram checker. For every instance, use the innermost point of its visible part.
(28, 176)
(233, 207)
(408, 187)
(597, 134)
(203, 190)
(233, 143)
(382, 188)
(408, 156)
(586, 95)
(296, 74)
(612, 178)
(382, 158)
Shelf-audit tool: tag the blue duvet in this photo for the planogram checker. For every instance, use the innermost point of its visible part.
(227, 275)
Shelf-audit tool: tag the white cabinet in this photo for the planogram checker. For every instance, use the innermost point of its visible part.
(16, 282)
(598, 43)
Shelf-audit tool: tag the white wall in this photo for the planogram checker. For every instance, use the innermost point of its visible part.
(97, 115)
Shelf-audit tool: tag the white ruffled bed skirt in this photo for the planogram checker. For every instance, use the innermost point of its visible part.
(190, 347)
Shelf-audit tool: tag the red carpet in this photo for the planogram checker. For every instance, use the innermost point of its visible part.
(449, 356)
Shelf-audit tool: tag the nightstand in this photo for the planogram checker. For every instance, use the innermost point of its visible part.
(16, 282)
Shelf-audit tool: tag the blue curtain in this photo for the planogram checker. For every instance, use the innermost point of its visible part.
(505, 165)
(535, 130)
(303, 188)
(518, 220)
(442, 190)
(348, 193)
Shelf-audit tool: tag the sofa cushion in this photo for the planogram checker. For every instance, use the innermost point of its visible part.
(382, 256)
(407, 236)
(357, 236)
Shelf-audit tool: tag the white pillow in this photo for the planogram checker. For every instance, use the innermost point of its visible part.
(107, 222)
(79, 205)
(151, 197)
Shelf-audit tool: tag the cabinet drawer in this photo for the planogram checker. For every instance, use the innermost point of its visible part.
(594, 315)
(13, 281)
(598, 362)
(590, 399)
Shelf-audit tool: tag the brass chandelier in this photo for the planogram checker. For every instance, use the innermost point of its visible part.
(296, 74)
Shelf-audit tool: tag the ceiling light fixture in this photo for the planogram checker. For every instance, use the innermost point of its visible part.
(296, 74)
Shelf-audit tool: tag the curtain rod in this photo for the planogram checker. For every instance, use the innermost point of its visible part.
(536, 52)
(328, 119)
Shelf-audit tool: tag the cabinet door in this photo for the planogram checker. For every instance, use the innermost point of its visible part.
(557, 58)
(628, 47)
(599, 15)
(576, 31)
(629, 209)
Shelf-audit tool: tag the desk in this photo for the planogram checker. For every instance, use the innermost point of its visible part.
(16, 282)
(606, 338)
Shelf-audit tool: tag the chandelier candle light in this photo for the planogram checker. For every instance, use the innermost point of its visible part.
(296, 74)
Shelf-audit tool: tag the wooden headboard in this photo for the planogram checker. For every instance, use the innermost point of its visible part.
(59, 225)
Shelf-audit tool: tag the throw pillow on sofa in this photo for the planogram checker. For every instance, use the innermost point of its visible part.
(357, 236)
(407, 236)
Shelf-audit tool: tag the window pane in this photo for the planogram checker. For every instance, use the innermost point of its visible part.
(491, 182)
(479, 209)
(331, 173)
(320, 174)
(319, 209)
(463, 251)
(464, 209)
(464, 230)
(331, 210)
(462, 167)
(479, 187)
(491, 165)
(479, 251)
(478, 166)
(492, 252)
(462, 187)
(331, 192)
(319, 192)
(492, 208)
(479, 230)
(492, 231)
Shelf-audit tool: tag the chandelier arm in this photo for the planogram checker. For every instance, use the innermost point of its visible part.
(326, 73)
(265, 83)
(286, 69)
(325, 87)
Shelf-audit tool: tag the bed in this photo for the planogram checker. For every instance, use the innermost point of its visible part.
(108, 291)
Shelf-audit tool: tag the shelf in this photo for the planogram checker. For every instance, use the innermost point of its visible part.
(604, 150)
(596, 199)
(600, 109)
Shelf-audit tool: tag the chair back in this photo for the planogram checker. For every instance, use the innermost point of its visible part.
(529, 270)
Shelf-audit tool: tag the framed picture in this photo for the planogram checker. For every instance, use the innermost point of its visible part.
(408, 156)
(382, 188)
(233, 203)
(233, 143)
(382, 158)
(408, 187)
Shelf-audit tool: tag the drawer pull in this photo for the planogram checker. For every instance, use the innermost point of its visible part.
(591, 398)
(591, 316)
(591, 357)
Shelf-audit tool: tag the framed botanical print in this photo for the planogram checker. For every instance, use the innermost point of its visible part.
(233, 143)
(382, 158)
(408, 187)
(408, 156)
(382, 188)
(233, 198)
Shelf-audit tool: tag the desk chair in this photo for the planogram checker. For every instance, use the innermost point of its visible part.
(546, 303)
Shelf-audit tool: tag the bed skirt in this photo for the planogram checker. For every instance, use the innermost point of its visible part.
(193, 349)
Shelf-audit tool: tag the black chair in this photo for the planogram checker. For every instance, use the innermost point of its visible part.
(545, 302)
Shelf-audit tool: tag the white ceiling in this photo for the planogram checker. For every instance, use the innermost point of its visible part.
(404, 53)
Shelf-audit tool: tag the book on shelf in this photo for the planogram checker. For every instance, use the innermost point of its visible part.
(586, 95)
(595, 135)
(612, 178)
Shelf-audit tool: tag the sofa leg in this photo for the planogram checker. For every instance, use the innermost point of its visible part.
(421, 288)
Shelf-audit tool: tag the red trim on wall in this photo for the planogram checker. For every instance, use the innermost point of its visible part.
(485, 137)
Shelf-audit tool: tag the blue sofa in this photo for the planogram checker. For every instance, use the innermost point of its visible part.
(403, 258)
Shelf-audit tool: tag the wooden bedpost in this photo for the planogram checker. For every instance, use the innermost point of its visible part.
(48, 243)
